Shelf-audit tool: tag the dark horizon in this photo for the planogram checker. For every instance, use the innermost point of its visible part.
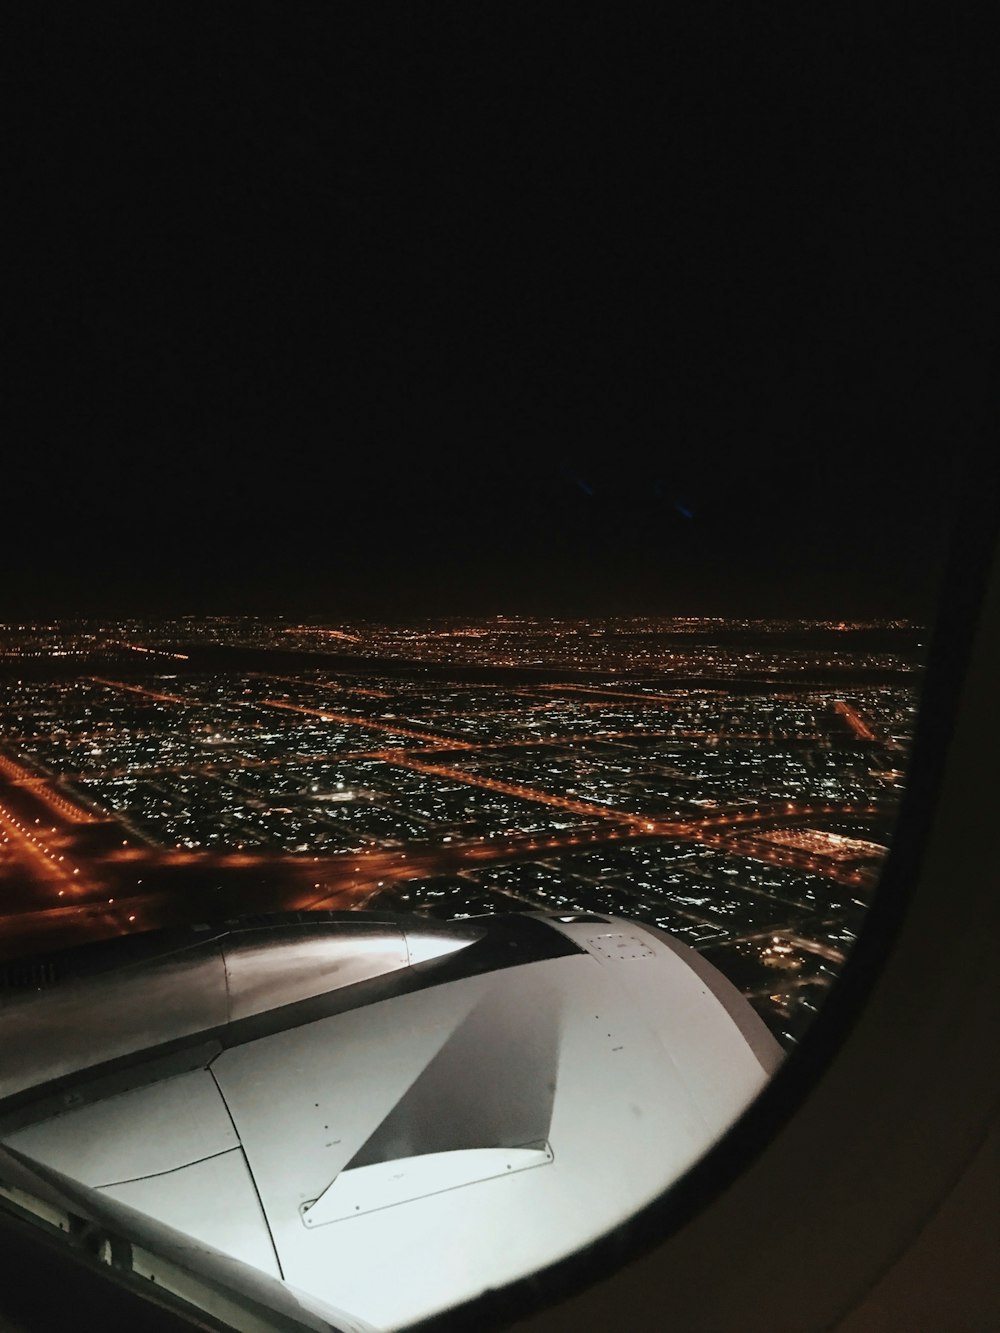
(461, 313)
(42, 602)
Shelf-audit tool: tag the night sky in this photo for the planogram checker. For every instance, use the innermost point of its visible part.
(376, 310)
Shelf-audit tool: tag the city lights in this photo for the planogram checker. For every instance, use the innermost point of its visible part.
(719, 789)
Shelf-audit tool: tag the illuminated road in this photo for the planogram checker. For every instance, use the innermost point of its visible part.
(815, 946)
(323, 633)
(17, 775)
(358, 872)
(38, 849)
(158, 696)
(225, 766)
(854, 720)
(793, 858)
(590, 809)
(611, 693)
(150, 652)
(347, 719)
(326, 685)
(202, 883)
(109, 889)
(635, 734)
(370, 724)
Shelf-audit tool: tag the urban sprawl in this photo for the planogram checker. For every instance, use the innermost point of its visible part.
(733, 782)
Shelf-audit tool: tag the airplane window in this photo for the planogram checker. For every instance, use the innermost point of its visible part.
(457, 704)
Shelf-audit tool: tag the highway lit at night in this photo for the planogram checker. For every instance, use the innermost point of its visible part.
(757, 804)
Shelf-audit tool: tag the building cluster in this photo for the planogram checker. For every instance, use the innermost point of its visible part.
(696, 646)
(749, 822)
